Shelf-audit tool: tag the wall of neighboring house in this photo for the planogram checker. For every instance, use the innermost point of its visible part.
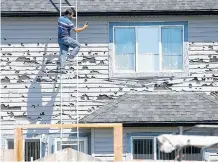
(30, 84)
(104, 138)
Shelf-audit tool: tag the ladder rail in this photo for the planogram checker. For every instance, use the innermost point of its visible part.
(61, 91)
(77, 84)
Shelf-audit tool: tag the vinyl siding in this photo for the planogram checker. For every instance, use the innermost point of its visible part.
(30, 52)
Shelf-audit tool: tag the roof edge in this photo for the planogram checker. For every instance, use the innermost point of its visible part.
(167, 124)
(162, 124)
(129, 13)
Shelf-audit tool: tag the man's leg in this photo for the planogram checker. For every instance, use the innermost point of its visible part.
(74, 44)
(63, 54)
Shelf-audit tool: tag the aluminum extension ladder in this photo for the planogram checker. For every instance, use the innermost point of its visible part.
(77, 85)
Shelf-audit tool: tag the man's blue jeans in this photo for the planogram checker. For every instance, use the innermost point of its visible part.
(65, 43)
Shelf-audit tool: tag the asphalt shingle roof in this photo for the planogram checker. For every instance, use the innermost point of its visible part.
(109, 5)
(170, 107)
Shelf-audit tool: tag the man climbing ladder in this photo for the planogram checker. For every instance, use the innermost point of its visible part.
(65, 25)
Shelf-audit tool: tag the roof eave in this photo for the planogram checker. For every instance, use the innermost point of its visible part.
(161, 124)
(127, 13)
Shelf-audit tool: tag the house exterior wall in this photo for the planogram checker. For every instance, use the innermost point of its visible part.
(103, 139)
(30, 86)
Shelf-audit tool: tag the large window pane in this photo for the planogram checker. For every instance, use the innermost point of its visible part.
(172, 48)
(148, 49)
(124, 39)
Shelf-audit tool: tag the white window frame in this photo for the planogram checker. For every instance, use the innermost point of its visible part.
(145, 137)
(136, 50)
(85, 140)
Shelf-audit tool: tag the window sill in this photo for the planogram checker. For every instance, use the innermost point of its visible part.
(149, 74)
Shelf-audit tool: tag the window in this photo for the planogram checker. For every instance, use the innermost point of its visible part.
(147, 148)
(72, 143)
(143, 148)
(10, 144)
(31, 148)
(148, 48)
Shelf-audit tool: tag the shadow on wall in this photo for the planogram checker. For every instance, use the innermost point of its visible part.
(37, 112)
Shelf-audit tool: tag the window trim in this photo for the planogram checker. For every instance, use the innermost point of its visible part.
(132, 73)
(84, 139)
(136, 48)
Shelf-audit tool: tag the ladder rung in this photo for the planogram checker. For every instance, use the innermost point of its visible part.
(68, 6)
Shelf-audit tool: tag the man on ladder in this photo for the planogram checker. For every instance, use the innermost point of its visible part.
(65, 25)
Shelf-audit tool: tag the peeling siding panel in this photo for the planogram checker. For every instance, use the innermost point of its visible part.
(30, 82)
(203, 57)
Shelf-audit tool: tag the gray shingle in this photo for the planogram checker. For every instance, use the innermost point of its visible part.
(157, 107)
(110, 6)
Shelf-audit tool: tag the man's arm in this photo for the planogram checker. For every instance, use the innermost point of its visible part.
(81, 29)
